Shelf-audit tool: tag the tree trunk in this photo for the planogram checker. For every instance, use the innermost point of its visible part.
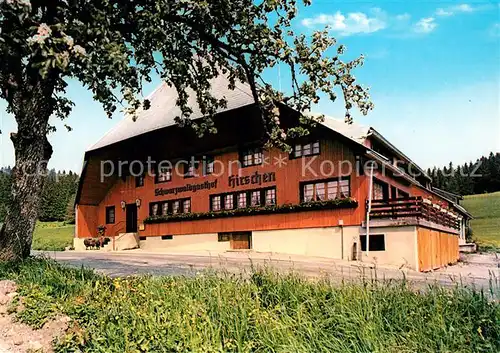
(32, 153)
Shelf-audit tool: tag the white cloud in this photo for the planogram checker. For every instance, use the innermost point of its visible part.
(464, 8)
(443, 12)
(349, 24)
(425, 25)
(403, 17)
(453, 10)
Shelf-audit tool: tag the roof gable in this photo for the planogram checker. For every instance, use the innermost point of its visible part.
(164, 109)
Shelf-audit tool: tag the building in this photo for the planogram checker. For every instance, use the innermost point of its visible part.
(225, 191)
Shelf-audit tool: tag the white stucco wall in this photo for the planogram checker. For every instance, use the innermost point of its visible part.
(400, 247)
(400, 244)
(322, 242)
(189, 242)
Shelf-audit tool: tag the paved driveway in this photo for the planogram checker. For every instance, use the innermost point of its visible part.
(135, 262)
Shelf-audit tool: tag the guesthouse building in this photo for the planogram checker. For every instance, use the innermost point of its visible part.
(343, 192)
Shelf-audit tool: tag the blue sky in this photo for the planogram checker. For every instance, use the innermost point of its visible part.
(433, 68)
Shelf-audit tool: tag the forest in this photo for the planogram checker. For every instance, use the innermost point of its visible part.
(482, 176)
(58, 195)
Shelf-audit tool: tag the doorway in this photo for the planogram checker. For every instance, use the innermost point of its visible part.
(131, 218)
(241, 240)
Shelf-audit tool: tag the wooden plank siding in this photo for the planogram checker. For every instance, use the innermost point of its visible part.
(436, 249)
(288, 179)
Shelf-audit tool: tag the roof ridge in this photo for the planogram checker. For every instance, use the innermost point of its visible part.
(124, 118)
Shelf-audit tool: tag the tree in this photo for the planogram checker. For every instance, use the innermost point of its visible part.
(113, 46)
(5, 184)
(470, 178)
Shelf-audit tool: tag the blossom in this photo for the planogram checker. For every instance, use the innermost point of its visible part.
(283, 135)
(36, 39)
(44, 30)
(64, 59)
(26, 3)
(69, 41)
(17, 3)
(79, 50)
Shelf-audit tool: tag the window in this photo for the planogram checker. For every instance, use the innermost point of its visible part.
(165, 208)
(255, 198)
(344, 188)
(315, 147)
(402, 194)
(229, 202)
(186, 208)
(332, 187)
(252, 156)
(216, 203)
(190, 168)
(377, 242)
(270, 196)
(320, 191)
(306, 149)
(308, 192)
(223, 237)
(176, 205)
(325, 190)
(208, 167)
(167, 237)
(380, 190)
(394, 192)
(163, 174)
(242, 200)
(139, 181)
(154, 209)
(110, 214)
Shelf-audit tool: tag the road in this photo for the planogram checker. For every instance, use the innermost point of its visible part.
(137, 262)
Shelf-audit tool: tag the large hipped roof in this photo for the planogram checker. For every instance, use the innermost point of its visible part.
(164, 109)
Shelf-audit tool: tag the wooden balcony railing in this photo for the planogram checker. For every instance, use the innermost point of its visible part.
(413, 208)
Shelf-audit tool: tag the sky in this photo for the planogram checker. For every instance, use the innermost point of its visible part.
(433, 68)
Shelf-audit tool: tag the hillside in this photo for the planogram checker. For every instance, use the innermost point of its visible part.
(486, 223)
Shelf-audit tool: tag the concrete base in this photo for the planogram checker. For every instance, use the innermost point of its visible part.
(400, 247)
(126, 241)
(191, 242)
(78, 244)
(468, 247)
(328, 242)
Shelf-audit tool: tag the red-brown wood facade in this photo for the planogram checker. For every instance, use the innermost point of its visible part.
(236, 129)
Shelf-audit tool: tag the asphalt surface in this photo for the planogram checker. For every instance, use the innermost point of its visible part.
(480, 272)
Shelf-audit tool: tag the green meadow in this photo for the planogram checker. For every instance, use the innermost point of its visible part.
(486, 223)
(52, 236)
(261, 311)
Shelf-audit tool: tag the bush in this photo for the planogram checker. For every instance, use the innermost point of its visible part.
(263, 312)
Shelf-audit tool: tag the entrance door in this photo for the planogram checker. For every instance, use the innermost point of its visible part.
(241, 240)
(131, 220)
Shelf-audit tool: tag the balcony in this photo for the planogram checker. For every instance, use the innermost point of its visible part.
(413, 211)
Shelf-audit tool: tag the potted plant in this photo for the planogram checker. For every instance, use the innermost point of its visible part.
(101, 231)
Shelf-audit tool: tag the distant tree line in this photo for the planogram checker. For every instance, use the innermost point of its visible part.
(470, 178)
(58, 195)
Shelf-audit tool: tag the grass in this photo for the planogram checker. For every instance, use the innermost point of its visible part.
(52, 236)
(486, 223)
(260, 312)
